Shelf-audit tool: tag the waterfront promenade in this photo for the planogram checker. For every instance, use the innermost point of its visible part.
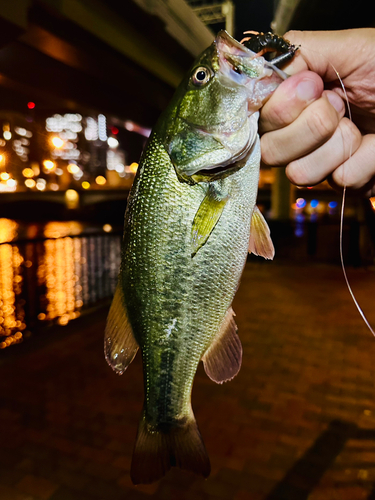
(297, 423)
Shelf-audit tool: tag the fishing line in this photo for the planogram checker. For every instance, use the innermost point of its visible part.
(343, 200)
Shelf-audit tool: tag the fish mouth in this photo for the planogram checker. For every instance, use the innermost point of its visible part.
(222, 167)
(227, 168)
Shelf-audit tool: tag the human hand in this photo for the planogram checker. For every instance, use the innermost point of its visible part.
(303, 125)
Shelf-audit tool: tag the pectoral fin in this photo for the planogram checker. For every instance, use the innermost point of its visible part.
(222, 360)
(205, 219)
(120, 346)
(260, 242)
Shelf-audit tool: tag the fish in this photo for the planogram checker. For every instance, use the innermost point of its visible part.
(190, 221)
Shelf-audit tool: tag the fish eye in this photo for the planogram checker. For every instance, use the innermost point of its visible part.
(237, 70)
(201, 76)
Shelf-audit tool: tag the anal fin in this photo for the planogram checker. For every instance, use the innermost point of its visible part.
(222, 360)
(120, 346)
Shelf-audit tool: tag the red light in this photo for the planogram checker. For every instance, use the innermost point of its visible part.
(114, 130)
(31, 105)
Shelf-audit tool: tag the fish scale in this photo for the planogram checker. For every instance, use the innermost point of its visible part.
(210, 279)
(190, 220)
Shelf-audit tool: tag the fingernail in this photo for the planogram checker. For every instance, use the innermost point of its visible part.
(306, 90)
(336, 101)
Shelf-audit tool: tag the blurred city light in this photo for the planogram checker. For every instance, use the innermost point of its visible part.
(112, 142)
(28, 172)
(100, 180)
(72, 199)
(73, 168)
(30, 183)
(57, 142)
(41, 184)
(71, 144)
(300, 202)
(102, 127)
(49, 165)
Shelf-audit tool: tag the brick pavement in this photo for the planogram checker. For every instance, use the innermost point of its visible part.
(297, 423)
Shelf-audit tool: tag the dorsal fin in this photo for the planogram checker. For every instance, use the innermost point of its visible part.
(222, 360)
(260, 242)
(206, 218)
(120, 346)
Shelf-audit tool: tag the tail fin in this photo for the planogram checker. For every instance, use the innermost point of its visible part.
(156, 451)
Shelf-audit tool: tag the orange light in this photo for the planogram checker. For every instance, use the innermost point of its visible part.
(48, 165)
(4, 176)
(100, 180)
(73, 168)
(133, 167)
(28, 172)
(30, 183)
(57, 142)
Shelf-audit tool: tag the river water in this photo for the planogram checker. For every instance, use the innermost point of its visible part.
(50, 273)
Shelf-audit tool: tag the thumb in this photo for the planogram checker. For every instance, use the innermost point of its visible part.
(326, 52)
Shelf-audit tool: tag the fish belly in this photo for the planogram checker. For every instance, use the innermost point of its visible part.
(177, 302)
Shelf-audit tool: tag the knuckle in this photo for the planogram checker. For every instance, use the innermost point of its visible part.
(321, 122)
(284, 114)
(268, 150)
(278, 116)
(297, 173)
(350, 134)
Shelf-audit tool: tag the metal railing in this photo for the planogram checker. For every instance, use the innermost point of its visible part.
(52, 280)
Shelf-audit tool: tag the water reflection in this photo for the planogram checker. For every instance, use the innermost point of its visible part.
(51, 277)
(11, 311)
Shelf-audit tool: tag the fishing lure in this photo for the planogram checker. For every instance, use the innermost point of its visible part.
(263, 43)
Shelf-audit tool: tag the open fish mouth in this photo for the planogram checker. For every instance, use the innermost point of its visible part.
(222, 170)
(232, 163)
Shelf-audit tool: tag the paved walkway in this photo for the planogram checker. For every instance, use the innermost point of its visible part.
(297, 423)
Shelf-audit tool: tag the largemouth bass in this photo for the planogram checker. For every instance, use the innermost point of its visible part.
(190, 221)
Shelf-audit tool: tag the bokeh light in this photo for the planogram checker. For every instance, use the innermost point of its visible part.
(100, 180)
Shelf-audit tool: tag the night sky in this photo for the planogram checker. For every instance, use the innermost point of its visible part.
(253, 15)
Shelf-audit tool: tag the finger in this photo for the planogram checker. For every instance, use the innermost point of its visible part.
(318, 165)
(289, 100)
(315, 125)
(322, 51)
(359, 169)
